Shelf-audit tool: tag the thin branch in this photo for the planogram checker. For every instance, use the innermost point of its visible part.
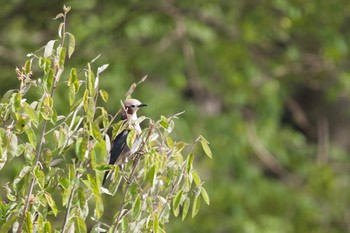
(40, 145)
(137, 159)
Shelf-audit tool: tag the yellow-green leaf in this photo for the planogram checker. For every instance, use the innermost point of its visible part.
(104, 95)
(51, 203)
(29, 222)
(80, 226)
(185, 208)
(131, 138)
(195, 206)
(196, 178)
(205, 196)
(71, 44)
(205, 146)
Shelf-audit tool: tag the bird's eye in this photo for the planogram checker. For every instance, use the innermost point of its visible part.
(133, 106)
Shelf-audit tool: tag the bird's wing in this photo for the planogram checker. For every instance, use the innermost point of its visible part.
(118, 146)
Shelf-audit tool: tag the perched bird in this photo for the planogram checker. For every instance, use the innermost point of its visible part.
(119, 148)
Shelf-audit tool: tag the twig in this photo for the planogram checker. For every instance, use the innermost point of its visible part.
(41, 142)
(137, 159)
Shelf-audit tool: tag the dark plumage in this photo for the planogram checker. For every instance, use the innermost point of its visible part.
(119, 150)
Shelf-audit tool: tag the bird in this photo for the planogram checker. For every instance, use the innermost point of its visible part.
(120, 151)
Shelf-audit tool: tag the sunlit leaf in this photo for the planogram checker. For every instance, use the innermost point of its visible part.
(155, 224)
(33, 115)
(60, 29)
(16, 101)
(205, 196)
(71, 44)
(104, 95)
(12, 144)
(176, 202)
(51, 203)
(125, 224)
(101, 69)
(39, 174)
(29, 223)
(205, 146)
(136, 206)
(80, 226)
(195, 206)
(196, 178)
(47, 227)
(49, 48)
(131, 138)
(151, 175)
(62, 56)
(60, 15)
(164, 122)
(189, 163)
(31, 137)
(185, 208)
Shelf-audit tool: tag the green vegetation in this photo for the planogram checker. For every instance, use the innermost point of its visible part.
(266, 82)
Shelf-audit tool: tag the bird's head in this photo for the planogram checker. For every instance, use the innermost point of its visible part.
(130, 106)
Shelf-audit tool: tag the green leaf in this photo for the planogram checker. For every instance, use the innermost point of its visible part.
(80, 226)
(12, 144)
(31, 137)
(71, 44)
(49, 79)
(29, 222)
(151, 175)
(80, 148)
(189, 163)
(170, 142)
(62, 56)
(99, 206)
(177, 201)
(28, 65)
(155, 224)
(49, 48)
(71, 95)
(90, 109)
(196, 178)
(16, 100)
(136, 209)
(164, 122)
(104, 95)
(205, 196)
(195, 206)
(91, 81)
(125, 224)
(10, 220)
(205, 146)
(95, 131)
(51, 203)
(99, 154)
(185, 208)
(39, 174)
(33, 115)
(131, 138)
(73, 79)
(47, 227)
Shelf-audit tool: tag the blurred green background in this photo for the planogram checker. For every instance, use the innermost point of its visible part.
(266, 82)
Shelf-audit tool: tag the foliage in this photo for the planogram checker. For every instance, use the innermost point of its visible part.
(59, 187)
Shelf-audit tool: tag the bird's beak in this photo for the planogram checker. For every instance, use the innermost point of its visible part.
(142, 105)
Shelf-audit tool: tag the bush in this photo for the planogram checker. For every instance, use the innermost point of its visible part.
(60, 183)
